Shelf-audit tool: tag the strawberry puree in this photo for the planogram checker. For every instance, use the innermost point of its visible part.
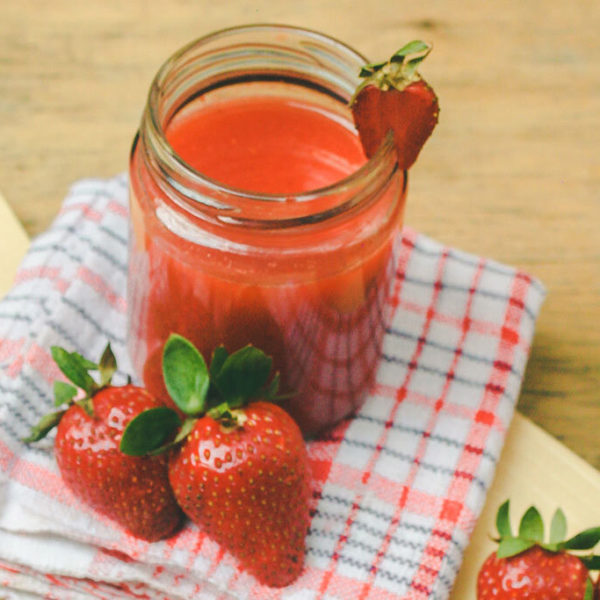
(266, 145)
(312, 298)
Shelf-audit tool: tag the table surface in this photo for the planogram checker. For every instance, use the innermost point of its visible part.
(512, 172)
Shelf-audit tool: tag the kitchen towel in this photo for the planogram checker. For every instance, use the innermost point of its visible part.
(397, 488)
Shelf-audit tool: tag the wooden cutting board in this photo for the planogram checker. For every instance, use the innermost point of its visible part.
(13, 244)
(534, 467)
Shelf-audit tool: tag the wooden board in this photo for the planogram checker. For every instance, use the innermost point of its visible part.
(13, 243)
(534, 467)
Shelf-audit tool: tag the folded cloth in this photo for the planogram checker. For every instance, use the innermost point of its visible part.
(397, 488)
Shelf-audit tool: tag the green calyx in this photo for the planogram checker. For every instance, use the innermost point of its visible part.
(233, 379)
(397, 72)
(531, 533)
(76, 369)
(219, 391)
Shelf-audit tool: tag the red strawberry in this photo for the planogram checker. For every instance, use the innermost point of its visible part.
(532, 574)
(526, 567)
(239, 472)
(246, 484)
(134, 491)
(393, 96)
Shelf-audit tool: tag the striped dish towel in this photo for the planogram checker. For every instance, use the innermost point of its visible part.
(397, 488)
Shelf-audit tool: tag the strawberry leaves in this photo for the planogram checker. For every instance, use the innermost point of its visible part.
(585, 540)
(232, 378)
(63, 393)
(398, 71)
(411, 55)
(45, 425)
(242, 375)
(589, 590)
(558, 527)
(547, 569)
(592, 562)
(217, 360)
(531, 533)
(531, 526)
(149, 430)
(512, 547)
(76, 369)
(231, 381)
(503, 520)
(417, 47)
(185, 374)
(107, 366)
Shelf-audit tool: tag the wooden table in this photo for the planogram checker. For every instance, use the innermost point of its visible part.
(512, 171)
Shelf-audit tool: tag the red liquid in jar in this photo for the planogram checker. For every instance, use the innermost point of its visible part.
(266, 145)
(321, 317)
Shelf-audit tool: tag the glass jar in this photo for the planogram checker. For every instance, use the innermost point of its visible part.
(302, 274)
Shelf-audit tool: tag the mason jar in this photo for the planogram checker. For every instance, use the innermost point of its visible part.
(243, 233)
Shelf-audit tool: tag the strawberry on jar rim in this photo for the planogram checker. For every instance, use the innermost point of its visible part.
(394, 97)
(238, 465)
(132, 491)
(525, 567)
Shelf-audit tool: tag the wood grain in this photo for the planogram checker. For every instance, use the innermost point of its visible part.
(512, 172)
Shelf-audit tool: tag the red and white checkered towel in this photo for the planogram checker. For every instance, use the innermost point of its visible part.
(397, 488)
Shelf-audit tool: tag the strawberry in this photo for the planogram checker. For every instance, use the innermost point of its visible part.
(238, 470)
(535, 573)
(133, 491)
(393, 96)
(526, 567)
(244, 481)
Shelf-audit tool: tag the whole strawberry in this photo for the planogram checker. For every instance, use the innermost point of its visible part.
(133, 491)
(394, 97)
(243, 478)
(238, 470)
(526, 567)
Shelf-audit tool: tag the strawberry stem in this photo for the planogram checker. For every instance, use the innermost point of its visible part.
(228, 417)
(87, 405)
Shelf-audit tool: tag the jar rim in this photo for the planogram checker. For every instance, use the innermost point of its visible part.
(385, 152)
